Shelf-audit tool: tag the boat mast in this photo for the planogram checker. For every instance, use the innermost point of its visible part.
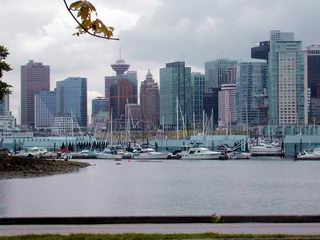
(111, 128)
(194, 124)
(202, 122)
(163, 127)
(177, 112)
(71, 123)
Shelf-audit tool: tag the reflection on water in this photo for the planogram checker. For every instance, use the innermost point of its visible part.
(168, 188)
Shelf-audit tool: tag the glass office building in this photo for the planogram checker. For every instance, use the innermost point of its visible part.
(72, 99)
(252, 92)
(45, 109)
(215, 72)
(198, 82)
(175, 85)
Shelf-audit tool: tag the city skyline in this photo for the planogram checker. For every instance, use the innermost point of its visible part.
(46, 35)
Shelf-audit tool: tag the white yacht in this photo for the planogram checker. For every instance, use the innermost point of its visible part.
(106, 154)
(265, 149)
(309, 155)
(150, 153)
(200, 153)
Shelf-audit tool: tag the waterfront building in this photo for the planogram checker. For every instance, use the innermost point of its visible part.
(7, 122)
(312, 78)
(150, 101)
(211, 106)
(215, 72)
(121, 90)
(4, 105)
(227, 105)
(64, 125)
(287, 91)
(261, 51)
(35, 77)
(175, 92)
(72, 99)
(198, 82)
(45, 109)
(252, 92)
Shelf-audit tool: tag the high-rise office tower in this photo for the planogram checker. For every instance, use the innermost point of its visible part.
(4, 105)
(72, 99)
(176, 95)
(261, 51)
(99, 104)
(312, 77)
(227, 105)
(215, 72)
(100, 112)
(132, 76)
(252, 92)
(287, 90)
(45, 109)
(150, 101)
(109, 81)
(211, 105)
(35, 77)
(198, 82)
(121, 89)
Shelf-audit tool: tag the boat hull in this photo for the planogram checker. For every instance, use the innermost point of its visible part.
(151, 156)
(106, 156)
(201, 157)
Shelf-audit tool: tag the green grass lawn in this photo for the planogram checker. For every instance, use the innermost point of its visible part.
(133, 236)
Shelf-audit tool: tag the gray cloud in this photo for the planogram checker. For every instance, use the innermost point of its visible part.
(152, 33)
(200, 30)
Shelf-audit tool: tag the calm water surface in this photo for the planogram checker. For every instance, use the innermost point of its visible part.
(168, 188)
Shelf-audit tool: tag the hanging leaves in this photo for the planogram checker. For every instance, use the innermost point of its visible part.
(94, 27)
(4, 67)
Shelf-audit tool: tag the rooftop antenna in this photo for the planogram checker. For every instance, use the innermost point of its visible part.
(120, 53)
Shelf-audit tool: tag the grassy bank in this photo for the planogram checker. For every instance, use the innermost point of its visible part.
(133, 236)
(26, 167)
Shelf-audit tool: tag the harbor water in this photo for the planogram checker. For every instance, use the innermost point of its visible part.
(264, 186)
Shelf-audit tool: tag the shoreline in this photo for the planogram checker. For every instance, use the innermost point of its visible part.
(12, 168)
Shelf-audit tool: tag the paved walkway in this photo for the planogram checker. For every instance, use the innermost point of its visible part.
(253, 228)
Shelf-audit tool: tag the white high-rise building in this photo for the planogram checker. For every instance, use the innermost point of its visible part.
(287, 90)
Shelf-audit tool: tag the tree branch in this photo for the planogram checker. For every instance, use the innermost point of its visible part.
(84, 29)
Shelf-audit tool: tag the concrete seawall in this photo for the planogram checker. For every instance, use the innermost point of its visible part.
(160, 219)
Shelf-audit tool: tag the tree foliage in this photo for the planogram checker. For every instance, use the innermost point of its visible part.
(87, 24)
(4, 67)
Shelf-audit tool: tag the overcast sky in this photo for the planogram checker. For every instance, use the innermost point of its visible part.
(151, 32)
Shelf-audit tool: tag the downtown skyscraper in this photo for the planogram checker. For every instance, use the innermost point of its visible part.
(150, 101)
(45, 109)
(252, 92)
(35, 77)
(176, 95)
(312, 78)
(120, 90)
(215, 72)
(287, 91)
(72, 99)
